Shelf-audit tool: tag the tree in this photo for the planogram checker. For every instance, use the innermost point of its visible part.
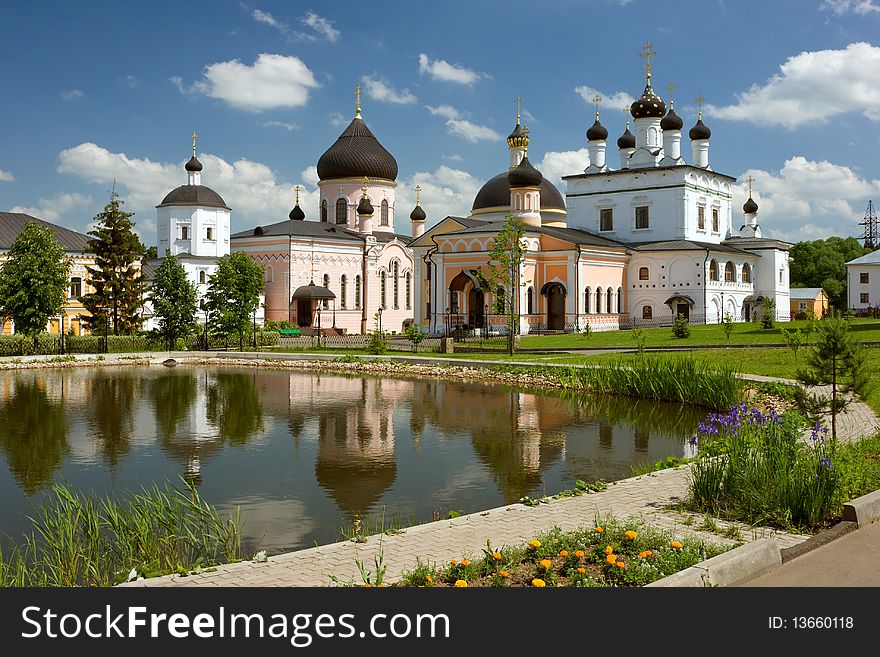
(234, 295)
(174, 300)
(151, 253)
(821, 264)
(116, 278)
(506, 256)
(415, 335)
(681, 328)
(33, 281)
(836, 360)
(768, 313)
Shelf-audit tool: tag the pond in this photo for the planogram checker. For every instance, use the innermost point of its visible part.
(302, 453)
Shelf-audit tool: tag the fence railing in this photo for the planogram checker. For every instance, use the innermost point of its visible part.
(356, 341)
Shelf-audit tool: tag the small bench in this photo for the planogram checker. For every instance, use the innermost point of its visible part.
(290, 333)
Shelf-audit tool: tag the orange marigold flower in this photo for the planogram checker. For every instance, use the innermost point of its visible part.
(539, 583)
(534, 544)
(631, 535)
(579, 554)
(496, 556)
(545, 564)
(465, 563)
(676, 545)
(563, 553)
(611, 558)
(582, 570)
(368, 586)
(460, 583)
(429, 579)
(645, 553)
(599, 530)
(608, 549)
(504, 573)
(454, 562)
(620, 564)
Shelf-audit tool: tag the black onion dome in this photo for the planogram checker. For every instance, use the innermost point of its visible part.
(750, 207)
(519, 137)
(700, 131)
(417, 214)
(365, 207)
(193, 165)
(297, 214)
(648, 105)
(496, 194)
(357, 154)
(198, 195)
(597, 132)
(627, 139)
(671, 121)
(524, 175)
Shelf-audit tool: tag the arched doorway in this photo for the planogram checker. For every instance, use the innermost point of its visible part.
(476, 317)
(555, 306)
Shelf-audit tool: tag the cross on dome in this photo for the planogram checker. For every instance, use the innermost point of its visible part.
(194, 143)
(648, 52)
(700, 100)
(357, 102)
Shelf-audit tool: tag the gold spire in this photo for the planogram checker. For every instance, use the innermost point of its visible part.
(518, 106)
(194, 143)
(648, 52)
(750, 180)
(357, 102)
(596, 100)
(364, 187)
(699, 100)
(418, 193)
(296, 187)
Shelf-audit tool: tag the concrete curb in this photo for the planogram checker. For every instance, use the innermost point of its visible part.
(730, 568)
(863, 510)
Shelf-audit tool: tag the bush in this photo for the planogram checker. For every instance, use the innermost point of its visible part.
(768, 314)
(681, 328)
(19, 345)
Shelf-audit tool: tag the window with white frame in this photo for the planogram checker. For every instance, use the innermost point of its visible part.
(642, 218)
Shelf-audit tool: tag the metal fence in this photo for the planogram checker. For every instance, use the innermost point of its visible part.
(357, 341)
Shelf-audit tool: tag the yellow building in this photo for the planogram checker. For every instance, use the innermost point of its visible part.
(805, 299)
(75, 245)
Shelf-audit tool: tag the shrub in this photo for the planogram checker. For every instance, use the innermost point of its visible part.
(768, 314)
(681, 328)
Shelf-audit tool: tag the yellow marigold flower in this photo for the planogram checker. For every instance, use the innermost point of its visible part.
(429, 579)
(645, 553)
(504, 573)
(563, 553)
(579, 554)
(631, 535)
(496, 556)
(380, 586)
(599, 530)
(368, 586)
(539, 583)
(582, 570)
(534, 544)
(465, 563)
(676, 545)
(545, 564)
(608, 549)
(454, 562)
(611, 558)
(460, 583)
(620, 564)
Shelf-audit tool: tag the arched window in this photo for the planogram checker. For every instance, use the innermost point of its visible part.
(647, 312)
(357, 291)
(343, 280)
(588, 294)
(747, 273)
(269, 275)
(517, 202)
(620, 301)
(324, 211)
(599, 300)
(713, 271)
(609, 296)
(528, 201)
(499, 301)
(341, 211)
(383, 214)
(643, 273)
(408, 298)
(382, 283)
(530, 301)
(395, 283)
(327, 285)
(203, 277)
(730, 273)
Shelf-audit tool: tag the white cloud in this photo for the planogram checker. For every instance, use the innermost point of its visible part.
(6, 176)
(72, 95)
(446, 111)
(440, 69)
(281, 124)
(556, 164)
(840, 7)
(268, 19)
(613, 102)
(56, 208)
(129, 81)
(322, 26)
(382, 91)
(273, 81)
(337, 120)
(445, 191)
(250, 188)
(812, 87)
(455, 125)
(454, 157)
(806, 199)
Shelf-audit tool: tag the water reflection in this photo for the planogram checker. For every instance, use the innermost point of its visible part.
(234, 407)
(111, 418)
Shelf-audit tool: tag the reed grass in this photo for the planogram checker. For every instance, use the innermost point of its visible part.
(86, 540)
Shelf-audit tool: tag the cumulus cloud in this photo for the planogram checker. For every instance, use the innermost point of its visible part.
(440, 69)
(610, 102)
(273, 81)
(456, 125)
(57, 208)
(250, 188)
(812, 87)
(841, 7)
(380, 90)
(556, 164)
(807, 199)
(445, 191)
(322, 26)
(6, 176)
(71, 96)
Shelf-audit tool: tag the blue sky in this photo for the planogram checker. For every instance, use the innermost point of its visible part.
(102, 91)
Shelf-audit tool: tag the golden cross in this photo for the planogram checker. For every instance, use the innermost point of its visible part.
(418, 191)
(194, 143)
(700, 100)
(365, 186)
(296, 187)
(357, 96)
(751, 180)
(671, 88)
(596, 100)
(518, 105)
(626, 114)
(647, 53)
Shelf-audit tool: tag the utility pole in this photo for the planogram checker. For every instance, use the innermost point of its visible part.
(870, 234)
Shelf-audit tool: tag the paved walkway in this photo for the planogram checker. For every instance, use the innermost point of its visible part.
(646, 497)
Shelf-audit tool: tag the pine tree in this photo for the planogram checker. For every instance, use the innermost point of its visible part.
(33, 281)
(233, 295)
(116, 278)
(174, 300)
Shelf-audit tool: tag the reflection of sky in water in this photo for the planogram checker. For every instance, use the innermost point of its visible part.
(302, 453)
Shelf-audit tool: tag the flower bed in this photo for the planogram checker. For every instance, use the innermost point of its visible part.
(612, 553)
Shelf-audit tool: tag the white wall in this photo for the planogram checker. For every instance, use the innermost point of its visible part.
(855, 288)
(170, 220)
